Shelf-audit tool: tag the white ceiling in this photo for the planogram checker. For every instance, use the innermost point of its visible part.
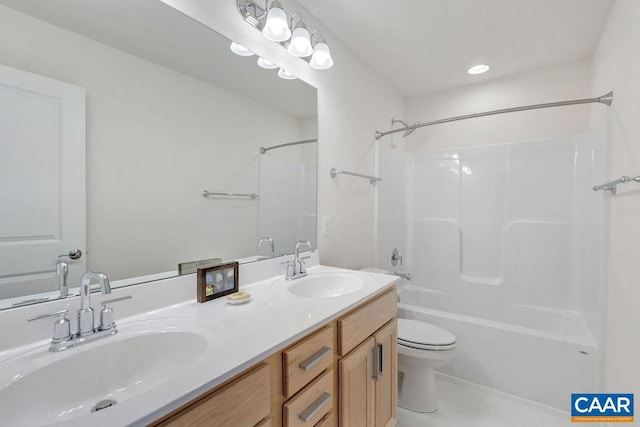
(422, 46)
(158, 33)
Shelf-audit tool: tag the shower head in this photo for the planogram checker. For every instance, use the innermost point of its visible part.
(402, 122)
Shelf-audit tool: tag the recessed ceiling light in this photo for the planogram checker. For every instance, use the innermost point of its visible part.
(478, 69)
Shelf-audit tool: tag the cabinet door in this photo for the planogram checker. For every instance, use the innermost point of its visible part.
(357, 386)
(387, 381)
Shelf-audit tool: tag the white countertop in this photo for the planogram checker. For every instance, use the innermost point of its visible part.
(243, 334)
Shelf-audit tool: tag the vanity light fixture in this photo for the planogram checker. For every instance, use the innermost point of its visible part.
(478, 69)
(321, 58)
(238, 49)
(284, 74)
(266, 64)
(271, 20)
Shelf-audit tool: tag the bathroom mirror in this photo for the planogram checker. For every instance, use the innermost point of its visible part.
(171, 112)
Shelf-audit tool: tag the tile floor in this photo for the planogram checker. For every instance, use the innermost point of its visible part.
(464, 404)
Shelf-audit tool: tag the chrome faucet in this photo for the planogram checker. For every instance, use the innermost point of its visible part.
(298, 269)
(85, 314)
(272, 248)
(63, 338)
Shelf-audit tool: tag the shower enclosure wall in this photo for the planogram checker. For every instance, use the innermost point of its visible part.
(504, 245)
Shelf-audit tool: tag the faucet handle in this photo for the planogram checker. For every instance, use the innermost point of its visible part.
(61, 327)
(109, 301)
(106, 314)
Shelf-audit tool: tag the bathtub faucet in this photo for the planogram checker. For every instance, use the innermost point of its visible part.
(406, 276)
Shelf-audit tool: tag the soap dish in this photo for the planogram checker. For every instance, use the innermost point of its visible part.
(238, 298)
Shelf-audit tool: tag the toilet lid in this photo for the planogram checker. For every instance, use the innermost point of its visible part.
(419, 334)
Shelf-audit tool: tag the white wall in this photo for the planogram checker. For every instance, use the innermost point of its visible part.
(155, 140)
(616, 66)
(352, 103)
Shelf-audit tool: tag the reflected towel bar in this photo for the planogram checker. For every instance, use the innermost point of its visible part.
(612, 186)
(335, 172)
(207, 194)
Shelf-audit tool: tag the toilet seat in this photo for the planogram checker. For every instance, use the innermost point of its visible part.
(424, 336)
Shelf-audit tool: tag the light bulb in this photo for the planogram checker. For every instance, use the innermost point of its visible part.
(321, 59)
(238, 49)
(286, 75)
(300, 44)
(265, 63)
(276, 28)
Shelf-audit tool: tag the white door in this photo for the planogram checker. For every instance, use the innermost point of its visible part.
(42, 180)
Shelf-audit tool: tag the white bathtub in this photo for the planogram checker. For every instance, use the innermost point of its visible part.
(539, 354)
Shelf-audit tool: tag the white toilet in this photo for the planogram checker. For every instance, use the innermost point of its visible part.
(421, 349)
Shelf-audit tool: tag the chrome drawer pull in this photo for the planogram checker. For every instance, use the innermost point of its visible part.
(314, 359)
(313, 409)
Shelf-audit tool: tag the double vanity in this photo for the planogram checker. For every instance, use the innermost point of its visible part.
(318, 350)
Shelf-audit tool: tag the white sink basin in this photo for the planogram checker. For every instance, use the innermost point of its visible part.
(40, 388)
(327, 285)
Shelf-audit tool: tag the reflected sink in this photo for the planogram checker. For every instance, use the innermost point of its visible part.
(327, 285)
(41, 388)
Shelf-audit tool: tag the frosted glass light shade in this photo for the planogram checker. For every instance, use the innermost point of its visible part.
(286, 75)
(266, 64)
(300, 44)
(276, 28)
(321, 59)
(238, 49)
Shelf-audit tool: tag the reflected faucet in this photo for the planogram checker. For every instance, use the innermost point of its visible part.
(298, 270)
(272, 248)
(85, 314)
(62, 271)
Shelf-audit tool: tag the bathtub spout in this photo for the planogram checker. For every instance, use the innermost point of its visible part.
(405, 276)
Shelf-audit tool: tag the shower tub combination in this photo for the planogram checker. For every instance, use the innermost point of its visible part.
(504, 243)
(531, 352)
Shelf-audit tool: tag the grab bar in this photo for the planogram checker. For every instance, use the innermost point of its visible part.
(612, 186)
(206, 194)
(335, 172)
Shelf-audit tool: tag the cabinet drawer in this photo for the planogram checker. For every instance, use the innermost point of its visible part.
(357, 326)
(326, 421)
(311, 404)
(244, 402)
(306, 360)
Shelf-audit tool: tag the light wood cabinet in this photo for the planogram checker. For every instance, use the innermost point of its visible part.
(357, 386)
(311, 404)
(368, 374)
(386, 388)
(344, 373)
(306, 360)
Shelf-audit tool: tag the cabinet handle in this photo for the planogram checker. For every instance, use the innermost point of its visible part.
(314, 359)
(313, 409)
(380, 354)
(376, 363)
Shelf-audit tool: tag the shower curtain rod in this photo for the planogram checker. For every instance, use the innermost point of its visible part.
(304, 141)
(604, 99)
